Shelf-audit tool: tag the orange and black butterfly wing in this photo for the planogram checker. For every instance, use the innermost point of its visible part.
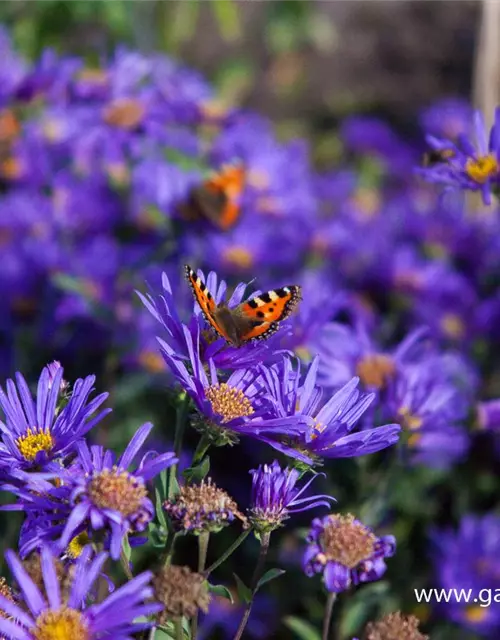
(263, 314)
(218, 198)
(206, 301)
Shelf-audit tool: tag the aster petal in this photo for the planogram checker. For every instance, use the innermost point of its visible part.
(31, 593)
(134, 445)
(14, 611)
(50, 579)
(12, 630)
(337, 577)
(78, 515)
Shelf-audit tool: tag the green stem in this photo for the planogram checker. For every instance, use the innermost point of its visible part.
(125, 564)
(332, 597)
(201, 449)
(179, 633)
(203, 540)
(227, 553)
(264, 548)
(169, 548)
(180, 428)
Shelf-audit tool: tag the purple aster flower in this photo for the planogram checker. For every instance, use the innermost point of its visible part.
(468, 558)
(275, 495)
(431, 400)
(237, 404)
(447, 118)
(38, 431)
(347, 351)
(488, 415)
(468, 165)
(105, 495)
(34, 616)
(346, 552)
(325, 428)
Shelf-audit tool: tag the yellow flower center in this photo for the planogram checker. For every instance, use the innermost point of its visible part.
(64, 624)
(375, 369)
(453, 325)
(414, 440)
(408, 420)
(317, 428)
(228, 402)
(34, 441)
(151, 361)
(482, 168)
(117, 490)
(238, 257)
(77, 545)
(125, 113)
(475, 613)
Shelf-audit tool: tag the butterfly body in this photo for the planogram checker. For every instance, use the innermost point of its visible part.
(218, 198)
(255, 319)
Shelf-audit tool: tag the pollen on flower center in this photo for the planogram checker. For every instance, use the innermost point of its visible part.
(346, 541)
(453, 325)
(61, 625)
(77, 545)
(34, 441)
(228, 402)
(375, 370)
(317, 428)
(125, 113)
(238, 257)
(482, 168)
(117, 490)
(408, 420)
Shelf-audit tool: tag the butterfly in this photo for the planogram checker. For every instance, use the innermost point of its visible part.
(217, 199)
(255, 319)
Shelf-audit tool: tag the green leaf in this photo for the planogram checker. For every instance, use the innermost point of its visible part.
(244, 592)
(221, 590)
(272, 574)
(127, 550)
(197, 473)
(228, 18)
(303, 630)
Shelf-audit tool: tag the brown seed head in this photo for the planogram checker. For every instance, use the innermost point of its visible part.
(346, 541)
(181, 591)
(202, 507)
(394, 626)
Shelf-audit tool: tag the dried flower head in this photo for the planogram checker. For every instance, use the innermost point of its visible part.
(181, 591)
(346, 552)
(64, 572)
(202, 507)
(394, 626)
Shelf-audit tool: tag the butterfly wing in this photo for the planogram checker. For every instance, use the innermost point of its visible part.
(217, 199)
(206, 301)
(264, 313)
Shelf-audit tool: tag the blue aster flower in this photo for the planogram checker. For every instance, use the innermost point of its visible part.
(39, 430)
(227, 405)
(468, 165)
(345, 552)
(275, 495)
(35, 615)
(468, 558)
(105, 495)
(431, 400)
(347, 351)
(326, 427)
